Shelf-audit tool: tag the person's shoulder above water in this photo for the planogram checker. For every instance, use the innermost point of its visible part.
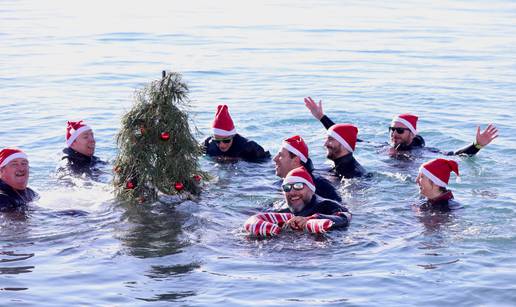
(325, 189)
(444, 203)
(252, 151)
(11, 199)
(78, 156)
(348, 167)
(14, 177)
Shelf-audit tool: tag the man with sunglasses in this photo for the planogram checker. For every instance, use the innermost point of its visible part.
(14, 176)
(293, 154)
(299, 191)
(404, 136)
(227, 144)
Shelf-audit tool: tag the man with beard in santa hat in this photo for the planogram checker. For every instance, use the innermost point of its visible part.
(403, 133)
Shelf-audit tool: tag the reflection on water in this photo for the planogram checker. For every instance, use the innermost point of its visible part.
(154, 231)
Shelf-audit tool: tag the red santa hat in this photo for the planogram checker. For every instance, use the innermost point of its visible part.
(408, 120)
(9, 154)
(300, 174)
(297, 146)
(345, 134)
(73, 130)
(223, 124)
(439, 170)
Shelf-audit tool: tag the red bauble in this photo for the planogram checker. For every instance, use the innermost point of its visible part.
(179, 186)
(129, 185)
(165, 136)
(197, 178)
(142, 130)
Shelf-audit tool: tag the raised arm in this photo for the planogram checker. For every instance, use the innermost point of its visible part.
(482, 139)
(317, 111)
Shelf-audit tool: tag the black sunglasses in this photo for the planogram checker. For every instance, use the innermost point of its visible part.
(287, 187)
(225, 141)
(399, 130)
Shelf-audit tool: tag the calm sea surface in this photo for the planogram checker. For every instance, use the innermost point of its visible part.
(451, 62)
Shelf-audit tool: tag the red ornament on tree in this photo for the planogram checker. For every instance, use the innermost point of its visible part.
(165, 136)
(129, 185)
(179, 186)
(197, 178)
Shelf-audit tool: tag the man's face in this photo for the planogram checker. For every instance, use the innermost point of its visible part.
(298, 199)
(334, 149)
(285, 163)
(85, 143)
(223, 142)
(403, 138)
(16, 173)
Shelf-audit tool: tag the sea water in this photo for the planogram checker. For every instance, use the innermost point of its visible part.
(451, 62)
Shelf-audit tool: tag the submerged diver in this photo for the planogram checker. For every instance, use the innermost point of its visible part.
(293, 154)
(80, 147)
(432, 180)
(227, 144)
(403, 133)
(14, 177)
(306, 210)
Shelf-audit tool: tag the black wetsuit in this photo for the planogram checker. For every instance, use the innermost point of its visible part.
(324, 209)
(241, 148)
(418, 143)
(79, 164)
(443, 203)
(11, 199)
(346, 166)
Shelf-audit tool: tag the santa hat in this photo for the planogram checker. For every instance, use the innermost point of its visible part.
(73, 130)
(345, 134)
(297, 146)
(9, 154)
(223, 124)
(300, 174)
(439, 170)
(408, 120)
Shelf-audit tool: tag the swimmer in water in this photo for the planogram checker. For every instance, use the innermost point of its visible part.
(293, 154)
(299, 191)
(340, 145)
(403, 133)
(227, 144)
(78, 156)
(433, 181)
(14, 177)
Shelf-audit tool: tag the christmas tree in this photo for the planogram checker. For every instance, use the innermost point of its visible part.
(157, 151)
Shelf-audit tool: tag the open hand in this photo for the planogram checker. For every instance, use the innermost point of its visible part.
(487, 136)
(315, 109)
